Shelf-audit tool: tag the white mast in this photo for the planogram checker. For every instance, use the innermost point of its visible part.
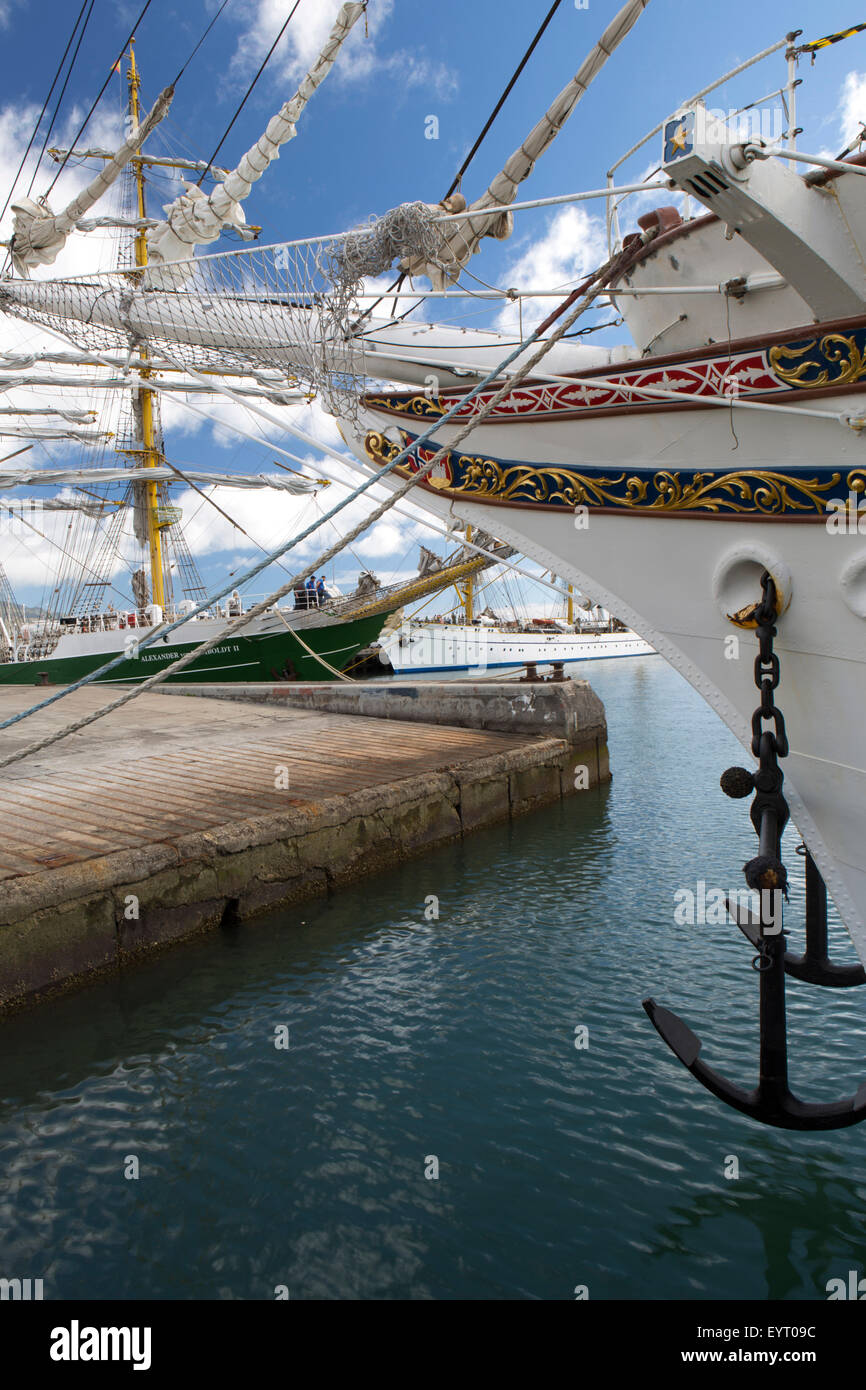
(195, 218)
(39, 236)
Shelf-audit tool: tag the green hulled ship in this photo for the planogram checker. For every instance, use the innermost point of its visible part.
(275, 649)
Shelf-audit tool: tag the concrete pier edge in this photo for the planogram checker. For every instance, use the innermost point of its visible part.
(565, 709)
(60, 927)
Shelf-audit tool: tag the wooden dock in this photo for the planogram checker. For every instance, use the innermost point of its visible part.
(198, 811)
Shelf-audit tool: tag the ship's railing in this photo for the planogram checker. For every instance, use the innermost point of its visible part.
(110, 620)
(517, 629)
(38, 638)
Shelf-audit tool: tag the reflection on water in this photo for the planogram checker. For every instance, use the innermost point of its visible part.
(452, 1038)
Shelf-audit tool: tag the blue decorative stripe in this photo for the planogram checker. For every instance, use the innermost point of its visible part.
(740, 492)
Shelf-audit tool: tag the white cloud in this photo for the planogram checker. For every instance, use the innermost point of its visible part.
(573, 245)
(359, 58)
(267, 517)
(16, 125)
(415, 71)
(305, 37)
(852, 105)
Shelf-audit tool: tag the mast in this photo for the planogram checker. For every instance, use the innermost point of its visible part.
(466, 589)
(470, 587)
(570, 607)
(145, 396)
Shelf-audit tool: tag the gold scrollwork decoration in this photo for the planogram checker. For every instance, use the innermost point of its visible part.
(381, 449)
(522, 482)
(762, 491)
(423, 407)
(838, 361)
(759, 490)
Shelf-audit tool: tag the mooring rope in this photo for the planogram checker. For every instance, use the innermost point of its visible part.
(350, 680)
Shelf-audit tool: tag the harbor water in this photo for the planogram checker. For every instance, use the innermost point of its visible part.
(440, 1083)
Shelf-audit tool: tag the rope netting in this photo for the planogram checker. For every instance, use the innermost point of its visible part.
(291, 306)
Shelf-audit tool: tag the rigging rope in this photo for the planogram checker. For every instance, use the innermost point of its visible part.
(455, 184)
(207, 497)
(350, 680)
(593, 285)
(199, 44)
(248, 92)
(99, 96)
(60, 99)
(42, 112)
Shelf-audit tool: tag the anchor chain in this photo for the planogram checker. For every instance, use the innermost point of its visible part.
(769, 811)
(766, 873)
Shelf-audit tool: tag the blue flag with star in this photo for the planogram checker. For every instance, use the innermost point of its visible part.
(679, 137)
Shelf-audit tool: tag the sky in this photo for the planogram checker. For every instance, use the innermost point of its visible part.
(364, 146)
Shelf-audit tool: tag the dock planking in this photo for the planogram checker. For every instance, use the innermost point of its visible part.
(161, 768)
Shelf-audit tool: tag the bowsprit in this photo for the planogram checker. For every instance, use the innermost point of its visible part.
(771, 1101)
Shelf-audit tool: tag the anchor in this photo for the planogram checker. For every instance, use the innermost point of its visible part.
(771, 1102)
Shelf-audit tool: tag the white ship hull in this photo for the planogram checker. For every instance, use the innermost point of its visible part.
(417, 648)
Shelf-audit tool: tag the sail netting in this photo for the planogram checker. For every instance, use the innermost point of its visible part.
(291, 307)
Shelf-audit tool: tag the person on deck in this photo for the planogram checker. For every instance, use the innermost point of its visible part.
(311, 592)
(300, 597)
(321, 595)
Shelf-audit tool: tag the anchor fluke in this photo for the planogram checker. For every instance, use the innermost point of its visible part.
(679, 1037)
(815, 965)
(771, 1102)
(749, 924)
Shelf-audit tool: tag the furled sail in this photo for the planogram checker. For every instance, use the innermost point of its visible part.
(53, 432)
(76, 477)
(209, 326)
(20, 506)
(460, 240)
(71, 416)
(196, 218)
(39, 235)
